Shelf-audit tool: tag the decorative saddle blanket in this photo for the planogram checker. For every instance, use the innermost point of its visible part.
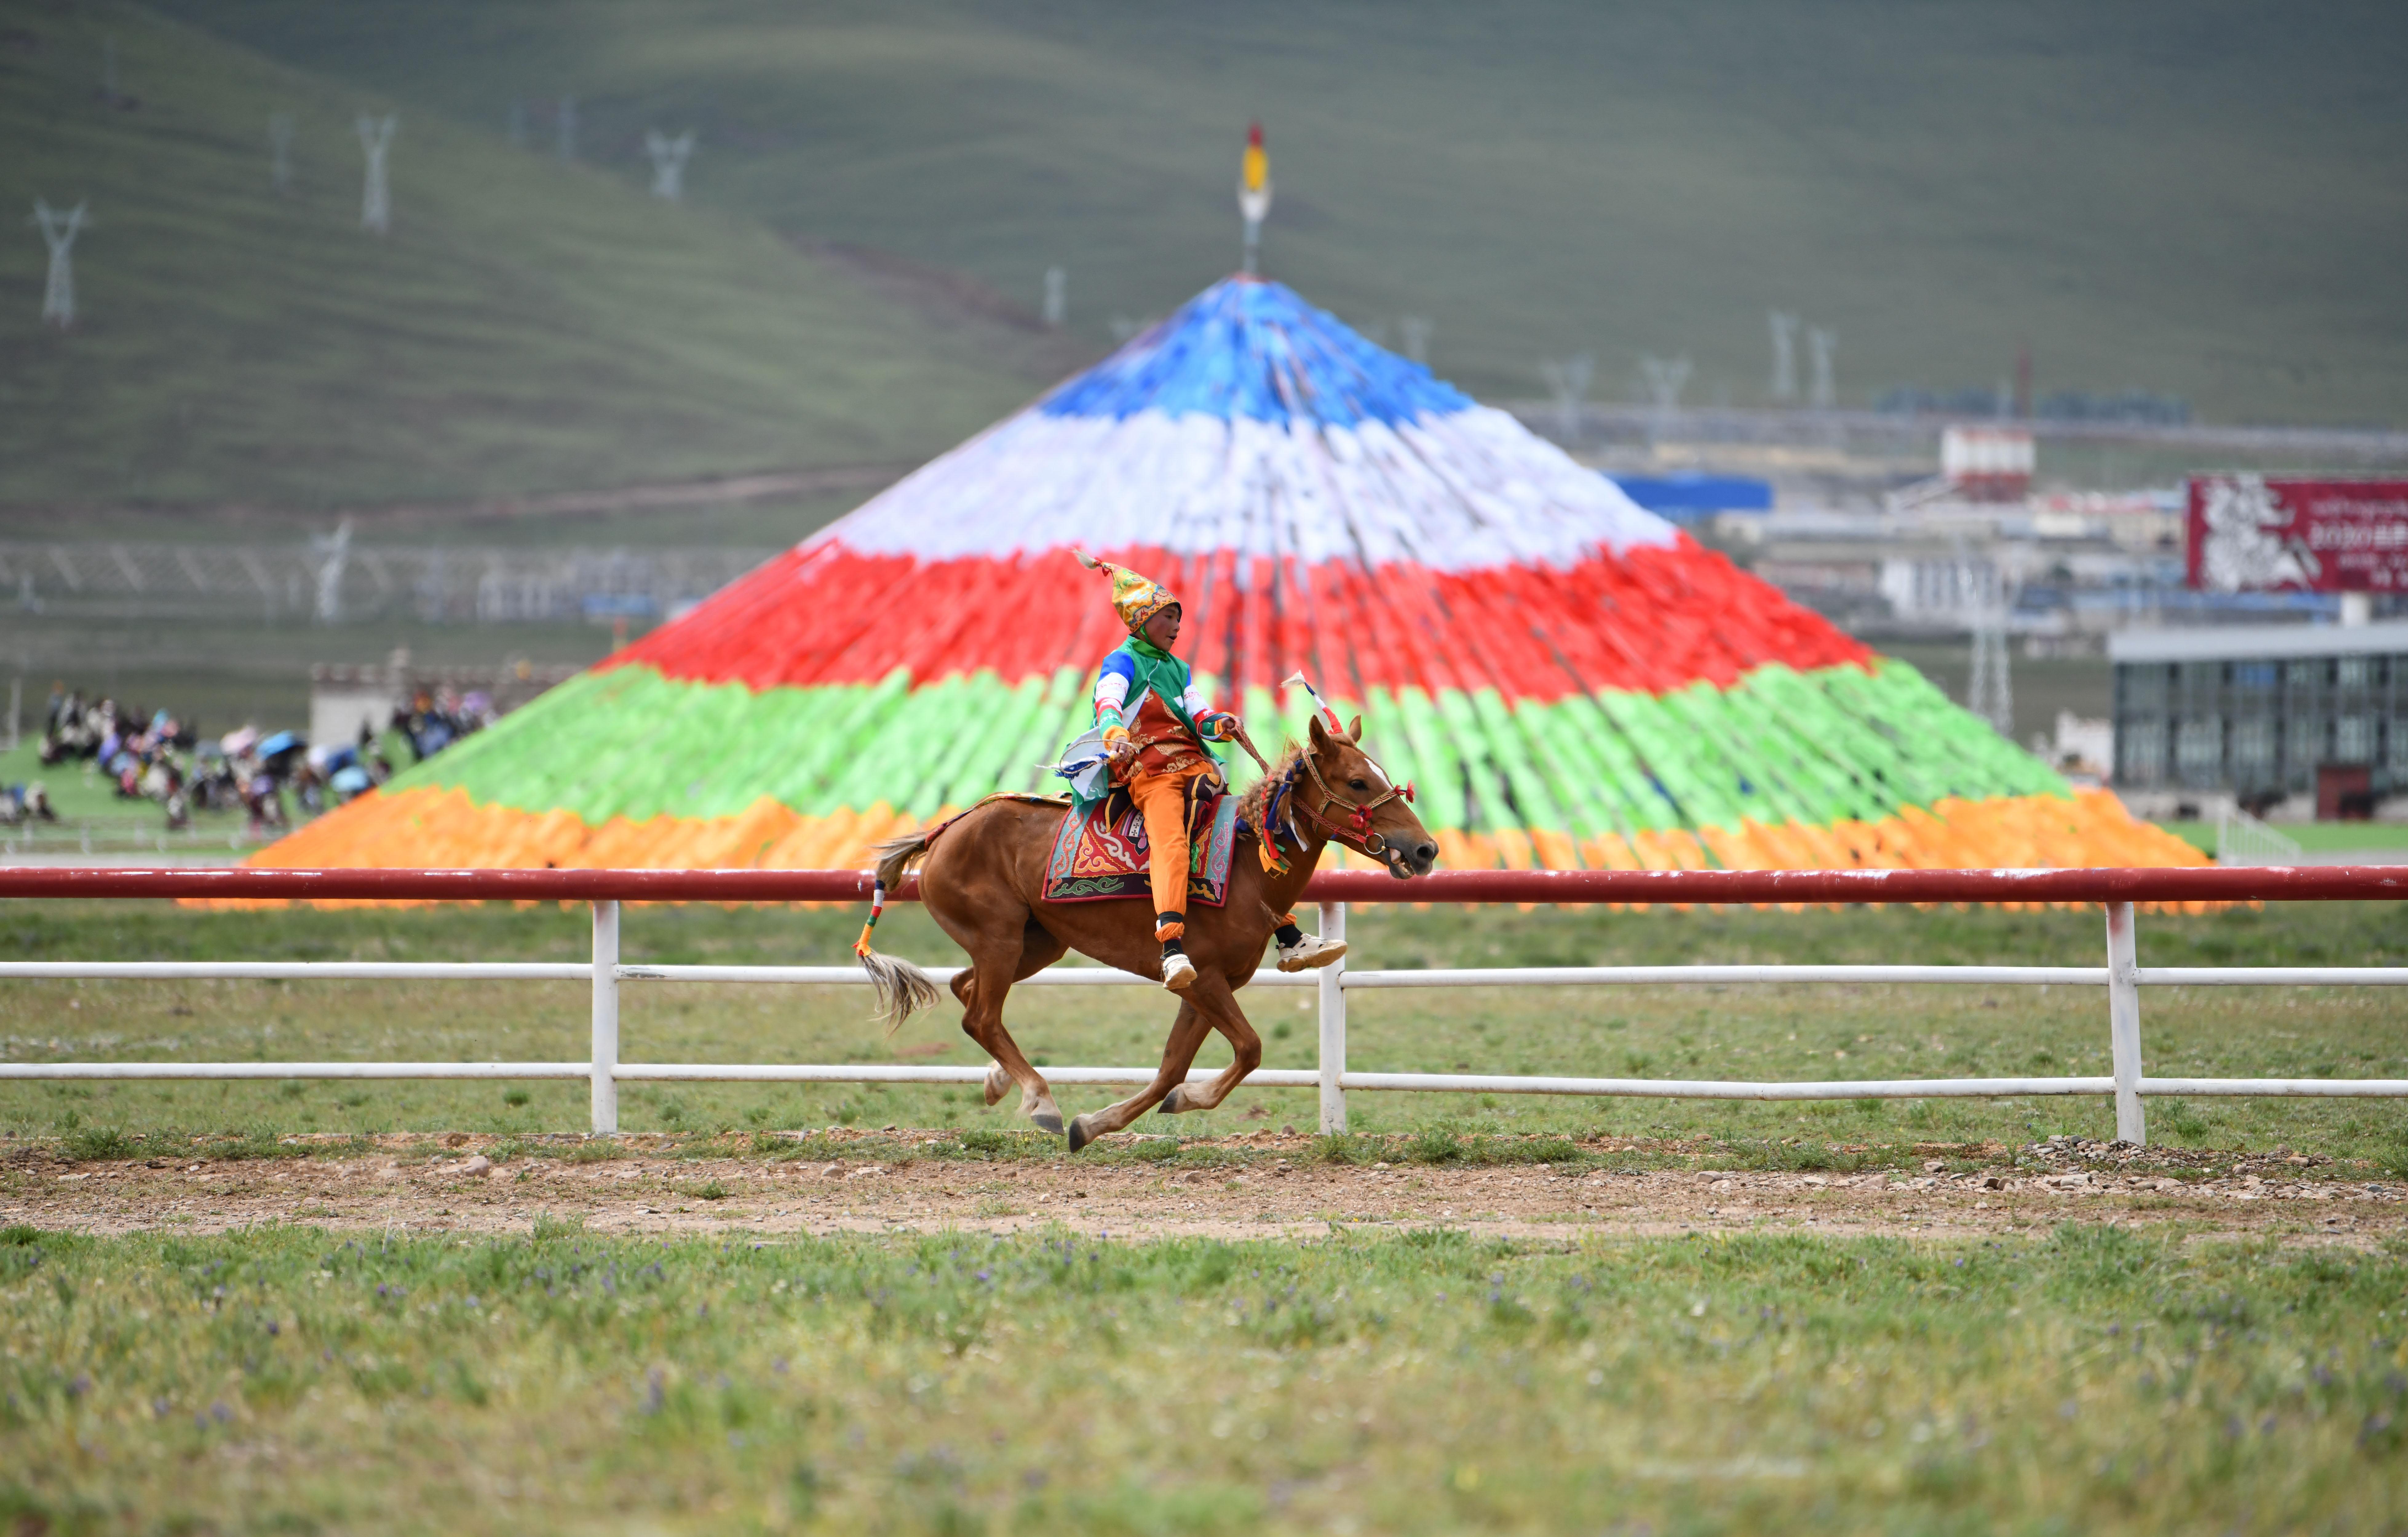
(1102, 854)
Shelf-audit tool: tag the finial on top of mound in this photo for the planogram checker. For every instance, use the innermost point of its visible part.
(1254, 192)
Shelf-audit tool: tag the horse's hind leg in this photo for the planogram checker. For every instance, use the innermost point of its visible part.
(998, 1082)
(1038, 949)
(998, 961)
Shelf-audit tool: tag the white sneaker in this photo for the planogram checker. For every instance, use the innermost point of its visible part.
(1178, 971)
(1309, 953)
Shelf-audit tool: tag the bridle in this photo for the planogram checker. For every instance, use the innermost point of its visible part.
(1355, 831)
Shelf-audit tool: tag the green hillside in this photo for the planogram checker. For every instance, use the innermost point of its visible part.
(524, 325)
(2201, 199)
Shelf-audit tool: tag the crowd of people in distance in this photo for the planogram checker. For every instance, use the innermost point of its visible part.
(21, 804)
(433, 721)
(160, 757)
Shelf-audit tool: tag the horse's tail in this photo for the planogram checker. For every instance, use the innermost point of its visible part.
(901, 988)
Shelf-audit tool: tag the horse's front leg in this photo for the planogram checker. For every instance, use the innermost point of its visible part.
(1218, 1002)
(1188, 1033)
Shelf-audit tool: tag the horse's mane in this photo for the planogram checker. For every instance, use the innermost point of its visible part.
(1252, 804)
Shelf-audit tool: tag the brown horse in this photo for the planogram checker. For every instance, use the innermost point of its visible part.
(982, 881)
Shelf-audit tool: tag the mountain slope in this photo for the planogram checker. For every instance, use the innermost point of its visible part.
(524, 326)
(2199, 199)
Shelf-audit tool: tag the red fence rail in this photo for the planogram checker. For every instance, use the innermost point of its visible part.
(2309, 884)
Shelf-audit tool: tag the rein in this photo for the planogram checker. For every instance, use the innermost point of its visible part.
(1356, 832)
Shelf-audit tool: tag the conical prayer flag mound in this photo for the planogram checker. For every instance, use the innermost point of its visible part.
(1569, 680)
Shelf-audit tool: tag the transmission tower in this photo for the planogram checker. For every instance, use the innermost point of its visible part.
(333, 551)
(1568, 381)
(279, 151)
(1820, 345)
(1990, 692)
(1417, 332)
(59, 232)
(669, 156)
(1057, 298)
(1785, 355)
(376, 194)
(1667, 377)
(565, 121)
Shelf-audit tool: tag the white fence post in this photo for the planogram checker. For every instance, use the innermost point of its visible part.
(2124, 1022)
(606, 1018)
(1331, 1060)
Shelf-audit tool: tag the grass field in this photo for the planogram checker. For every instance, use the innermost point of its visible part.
(2156, 1371)
(2100, 1380)
(2312, 836)
(1768, 1033)
(524, 324)
(2129, 191)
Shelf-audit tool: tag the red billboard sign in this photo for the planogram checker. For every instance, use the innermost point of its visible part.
(2256, 533)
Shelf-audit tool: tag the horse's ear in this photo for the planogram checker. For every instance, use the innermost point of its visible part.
(1320, 735)
(1354, 730)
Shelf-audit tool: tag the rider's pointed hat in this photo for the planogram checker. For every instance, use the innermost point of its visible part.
(1135, 598)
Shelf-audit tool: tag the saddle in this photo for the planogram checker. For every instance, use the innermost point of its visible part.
(1101, 855)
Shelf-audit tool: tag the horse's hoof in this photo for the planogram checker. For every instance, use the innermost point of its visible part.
(1170, 1105)
(1046, 1120)
(999, 1084)
(1080, 1135)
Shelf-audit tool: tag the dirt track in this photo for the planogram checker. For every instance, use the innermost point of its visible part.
(1268, 1190)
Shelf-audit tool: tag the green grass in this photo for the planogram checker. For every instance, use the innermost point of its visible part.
(2099, 1380)
(1753, 1032)
(524, 325)
(2312, 836)
(1940, 183)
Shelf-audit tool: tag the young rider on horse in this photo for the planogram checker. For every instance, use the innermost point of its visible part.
(1155, 723)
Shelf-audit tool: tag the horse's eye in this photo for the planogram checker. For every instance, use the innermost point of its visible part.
(1357, 785)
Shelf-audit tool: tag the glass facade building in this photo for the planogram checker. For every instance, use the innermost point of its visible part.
(2261, 712)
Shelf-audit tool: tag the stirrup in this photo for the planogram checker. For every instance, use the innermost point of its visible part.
(1310, 953)
(1178, 971)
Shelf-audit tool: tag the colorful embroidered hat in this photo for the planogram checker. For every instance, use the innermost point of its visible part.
(1135, 598)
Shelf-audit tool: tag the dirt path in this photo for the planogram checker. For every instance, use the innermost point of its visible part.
(889, 1184)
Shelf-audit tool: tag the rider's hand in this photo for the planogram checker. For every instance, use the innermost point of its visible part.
(1122, 752)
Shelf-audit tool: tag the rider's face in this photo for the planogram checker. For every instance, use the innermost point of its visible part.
(1163, 629)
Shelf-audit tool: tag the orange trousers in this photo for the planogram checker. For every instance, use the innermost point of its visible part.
(1162, 800)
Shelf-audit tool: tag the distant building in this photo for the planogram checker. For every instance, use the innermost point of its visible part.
(1686, 496)
(1984, 464)
(2263, 714)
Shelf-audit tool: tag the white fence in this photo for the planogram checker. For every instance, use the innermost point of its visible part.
(2122, 977)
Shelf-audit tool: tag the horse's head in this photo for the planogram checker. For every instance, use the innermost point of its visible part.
(1364, 810)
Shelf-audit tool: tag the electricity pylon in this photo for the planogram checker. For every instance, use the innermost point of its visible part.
(1821, 345)
(279, 151)
(376, 194)
(1568, 381)
(1785, 355)
(669, 156)
(59, 232)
